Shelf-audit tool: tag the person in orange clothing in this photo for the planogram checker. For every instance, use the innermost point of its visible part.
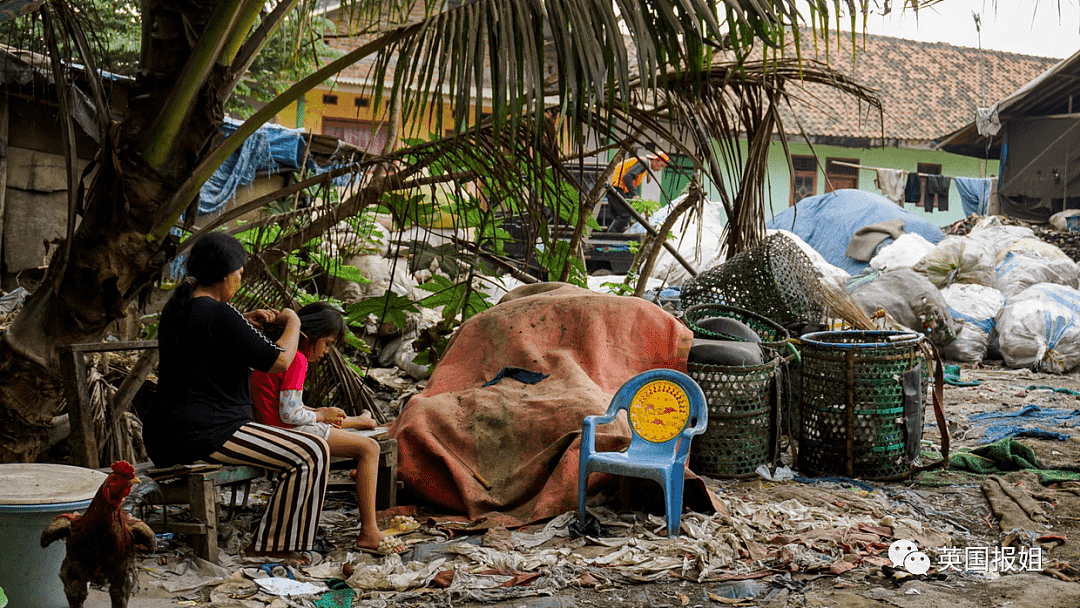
(626, 180)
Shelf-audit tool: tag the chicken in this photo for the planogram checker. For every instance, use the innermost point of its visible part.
(101, 542)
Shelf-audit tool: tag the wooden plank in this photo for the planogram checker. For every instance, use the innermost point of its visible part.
(97, 347)
(3, 162)
(180, 527)
(131, 384)
(84, 448)
(204, 509)
(386, 484)
(234, 474)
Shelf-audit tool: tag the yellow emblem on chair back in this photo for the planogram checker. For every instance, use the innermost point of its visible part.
(659, 411)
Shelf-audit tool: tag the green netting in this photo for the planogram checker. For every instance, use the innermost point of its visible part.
(742, 426)
(774, 279)
(852, 402)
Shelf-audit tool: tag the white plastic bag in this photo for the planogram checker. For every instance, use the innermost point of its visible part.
(1040, 329)
(1032, 246)
(975, 308)
(958, 259)
(1022, 270)
(702, 253)
(904, 251)
(990, 232)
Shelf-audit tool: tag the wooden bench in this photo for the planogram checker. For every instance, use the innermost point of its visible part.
(387, 485)
(199, 485)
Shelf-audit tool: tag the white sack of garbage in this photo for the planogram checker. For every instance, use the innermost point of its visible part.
(905, 251)
(958, 259)
(911, 300)
(975, 309)
(697, 240)
(997, 236)
(1023, 268)
(1039, 328)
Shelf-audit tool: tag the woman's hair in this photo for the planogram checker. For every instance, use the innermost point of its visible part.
(213, 257)
(321, 320)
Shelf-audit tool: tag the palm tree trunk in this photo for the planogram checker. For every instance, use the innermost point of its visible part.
(111, 261)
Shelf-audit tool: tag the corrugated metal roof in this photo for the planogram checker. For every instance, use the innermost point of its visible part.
(1055, 91)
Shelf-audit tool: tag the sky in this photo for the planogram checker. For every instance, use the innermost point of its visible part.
(1029, 27)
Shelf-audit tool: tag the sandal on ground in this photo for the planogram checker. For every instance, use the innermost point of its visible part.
(401, 524)
(388, 546)
(295, 559)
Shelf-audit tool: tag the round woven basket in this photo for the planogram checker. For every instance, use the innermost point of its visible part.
(852, 403)
(742, 422)
(772, 335)
(774, 279)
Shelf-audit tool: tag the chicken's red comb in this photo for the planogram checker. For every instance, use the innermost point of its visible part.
(122, 467)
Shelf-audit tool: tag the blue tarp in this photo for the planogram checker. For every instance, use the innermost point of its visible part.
(271, 149)
(1029, 413)
(826, 222)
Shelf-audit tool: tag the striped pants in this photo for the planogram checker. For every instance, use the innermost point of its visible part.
(303, 464)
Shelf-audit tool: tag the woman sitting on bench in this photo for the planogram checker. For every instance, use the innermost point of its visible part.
(279, 402)
(203, 407)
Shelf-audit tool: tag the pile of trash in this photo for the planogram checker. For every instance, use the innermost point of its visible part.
(789, 527)
(1007, 292)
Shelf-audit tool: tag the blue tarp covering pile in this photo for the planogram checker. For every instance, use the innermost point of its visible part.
(826, 222)
(271, 149)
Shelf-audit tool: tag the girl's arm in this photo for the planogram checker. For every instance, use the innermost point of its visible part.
(291, 409)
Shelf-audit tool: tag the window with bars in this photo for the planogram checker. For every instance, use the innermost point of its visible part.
(805, 181)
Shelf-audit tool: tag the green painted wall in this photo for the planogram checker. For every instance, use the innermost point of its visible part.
(952, 165)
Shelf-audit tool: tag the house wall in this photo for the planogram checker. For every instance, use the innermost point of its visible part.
(354, 105)
(953, 165)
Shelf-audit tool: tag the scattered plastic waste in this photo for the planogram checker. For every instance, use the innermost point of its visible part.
(783, 473)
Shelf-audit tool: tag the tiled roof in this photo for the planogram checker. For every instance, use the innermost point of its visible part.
(927, 89)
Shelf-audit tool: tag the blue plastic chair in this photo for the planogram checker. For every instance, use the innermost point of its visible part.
(665, 409)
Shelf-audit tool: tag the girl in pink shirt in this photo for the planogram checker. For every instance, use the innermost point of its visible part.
(278, 401)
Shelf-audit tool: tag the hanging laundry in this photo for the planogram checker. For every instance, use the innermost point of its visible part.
(891, 184)
(974, 193)
(937, 193)
(913, 190)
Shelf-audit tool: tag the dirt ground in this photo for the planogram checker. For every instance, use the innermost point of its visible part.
(806, 542)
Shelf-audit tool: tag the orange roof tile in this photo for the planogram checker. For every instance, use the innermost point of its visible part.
(927, 89)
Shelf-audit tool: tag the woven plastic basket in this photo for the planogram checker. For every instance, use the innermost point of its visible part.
(742, 421)
(772, 335)
(852, 408)
(774, 279)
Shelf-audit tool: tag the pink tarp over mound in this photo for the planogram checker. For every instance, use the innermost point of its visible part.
(523, 440)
